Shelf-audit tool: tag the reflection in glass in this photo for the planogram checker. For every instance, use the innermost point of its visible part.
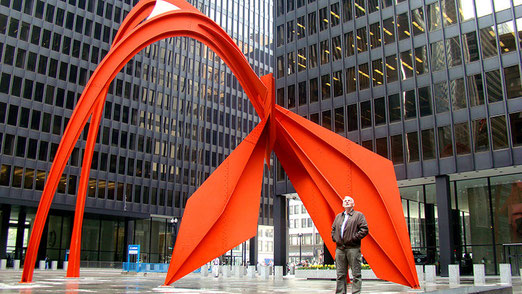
(366, 114)
(494, 86)
(445, 143)
(410, 107)
(515, 120)
(291, 96)
(428, 144)
(466, 9)
(349, 46)
(336, 47)
(475, 90)
(488, 42)
(412, 147)
(334, 14)
(351, 80)
(391, 68)
(507, 204)
(312, 55)
(323, 19)
(325, 51)
(440, 94)
(339, 120)
(453, 51)
(417, 21)
(351, 112)
(380, 111)
(388, 31)
(396, 149)
(312, 23)
(291, 63)
(301, 59)
(449, 12)
(425, 101)
(347, 10)
(484, 8)
(433, 17)
(290, 31)
(377, 72)
(394, 110)
(364, 76)
(360, 9)
(406, 65)
(302, 93)
(499, 132)
(373, 6)
(403, 28)
(338, 84)
(462, 138)
(438, 57)
(470, 47)
(280, 35)
(480, 135)
(501, 5)
(375, 35)
(301, 28)
(421, 60)
(512, 80)
(362, 41)
(314, 90)
(327, 119)
(457, 93)
(382, 147)
(506, 36)
(325, 87)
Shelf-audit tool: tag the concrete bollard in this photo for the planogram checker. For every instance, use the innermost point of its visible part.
(227, 272)
(16, 264)
(251, 271)
(430, 273)
(265, 272)
(65, 265)
(204, 270)
(54, 265)
(479, 274)
(239, 271)
(420, 272)
(3, 264)
(41, 265)
(505, 273)
(278, 273)
(454, 274)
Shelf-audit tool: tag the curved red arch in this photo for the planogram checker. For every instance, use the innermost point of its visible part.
(230, 196)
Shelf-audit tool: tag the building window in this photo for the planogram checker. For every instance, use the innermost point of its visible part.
(379, 111)
(325, 87)
(499, 132)
(291, 63)
(364, 76)
(396, 149)
(475, 90)
(382, 147)
(290, 31)
(391, 68)
(453, 52)
(480, 135)
(338, 84)
(516, 128)
(438, 57)
(339, 120)
(421, 60)
(433, 17)
(458, 94)
(403, 27)
(351, 80)
(410, 106)
(347, 10)
(417, 21)
(314, 90)
(334, 14)
(323, 19)
(412, 144)
(312, 23)
(349, 46)
(488, 42)
(301, 28)
(336, 47)
(302, 93)
(494, 86)
(394, 108)
(312, 55)
(449, 12)
(377, 73)
(362, 40)
(406, 65)
(506, 36)
(325, 52)
(512, 80)
(366, 114)
(375, 35)
(360, 8)
(326, 118)
(351, 113)
(445, 142)
(462, 138)
(428, 144)
(291, 96)
(388, 31)
(440, 93)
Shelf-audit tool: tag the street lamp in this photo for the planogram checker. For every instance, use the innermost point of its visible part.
(300, 235)
(174, 223)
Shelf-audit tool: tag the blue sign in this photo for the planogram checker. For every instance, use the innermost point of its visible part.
(134, 249)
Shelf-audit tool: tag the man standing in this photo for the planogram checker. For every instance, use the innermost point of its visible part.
(348, 229)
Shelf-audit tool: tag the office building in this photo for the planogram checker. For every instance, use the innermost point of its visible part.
(433, 85)
(172, 116)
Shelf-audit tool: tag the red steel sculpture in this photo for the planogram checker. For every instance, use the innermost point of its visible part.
(223, 212)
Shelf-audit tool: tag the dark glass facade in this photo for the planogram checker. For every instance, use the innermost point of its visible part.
(434, 86)
(172, 116)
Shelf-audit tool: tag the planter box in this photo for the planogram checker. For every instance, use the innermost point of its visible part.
(330, 274)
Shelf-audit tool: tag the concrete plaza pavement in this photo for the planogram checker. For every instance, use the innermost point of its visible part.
(114, 281)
